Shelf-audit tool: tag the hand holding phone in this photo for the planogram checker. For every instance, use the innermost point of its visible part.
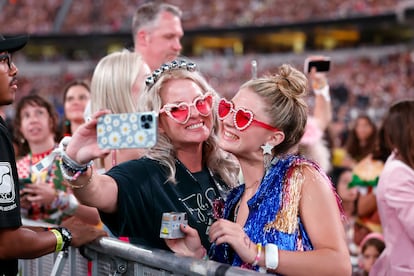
(321, 64)
(127, 130)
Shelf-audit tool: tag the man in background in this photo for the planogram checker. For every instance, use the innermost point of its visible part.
(157, 31)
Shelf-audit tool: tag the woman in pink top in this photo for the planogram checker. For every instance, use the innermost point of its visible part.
(395, 193)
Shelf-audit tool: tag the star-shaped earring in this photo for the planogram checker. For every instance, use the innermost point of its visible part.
(267, 148)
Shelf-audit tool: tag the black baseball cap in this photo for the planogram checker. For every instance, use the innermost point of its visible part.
(12, 43)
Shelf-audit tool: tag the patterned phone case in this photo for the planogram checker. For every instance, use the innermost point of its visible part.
(127, 130)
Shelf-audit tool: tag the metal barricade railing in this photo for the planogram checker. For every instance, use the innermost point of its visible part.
(109, 256)
(126, 259)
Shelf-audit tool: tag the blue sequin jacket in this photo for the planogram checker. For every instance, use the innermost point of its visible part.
(273, 212)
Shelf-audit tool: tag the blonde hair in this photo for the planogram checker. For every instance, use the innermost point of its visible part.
(284, 94)
(112, 82)
(217, 160)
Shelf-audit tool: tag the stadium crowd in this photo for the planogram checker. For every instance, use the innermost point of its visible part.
(110, 16)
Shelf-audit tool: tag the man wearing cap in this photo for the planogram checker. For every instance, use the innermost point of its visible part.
(17, 241)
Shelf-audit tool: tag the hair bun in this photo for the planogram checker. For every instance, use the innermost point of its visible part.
(290, 81)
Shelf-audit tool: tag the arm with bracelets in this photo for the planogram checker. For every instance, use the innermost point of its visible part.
(89, 187)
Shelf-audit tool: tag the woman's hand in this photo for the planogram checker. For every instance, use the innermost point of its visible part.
(24, 202)
(40, 193)
(83, 147)
(189, 246)
(225, 231)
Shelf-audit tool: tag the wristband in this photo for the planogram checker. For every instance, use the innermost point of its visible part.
(324, 91)
(66, 237)
(259, 253)
(271, 256)
(59, 240)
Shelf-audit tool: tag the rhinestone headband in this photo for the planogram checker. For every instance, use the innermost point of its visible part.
(166, 67)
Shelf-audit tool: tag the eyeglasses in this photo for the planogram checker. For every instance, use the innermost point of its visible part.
(242, 117)
(181, 112)
(6, 59)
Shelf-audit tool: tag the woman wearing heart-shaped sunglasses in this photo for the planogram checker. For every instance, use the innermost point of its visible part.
(285, 218)
(185, 171)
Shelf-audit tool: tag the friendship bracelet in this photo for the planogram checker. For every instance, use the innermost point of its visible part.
(59, 240)
(82, 185)
(62, 146)
(259, 253)
(68, 162)
(65, 174)
(271, 256)
(73, 165)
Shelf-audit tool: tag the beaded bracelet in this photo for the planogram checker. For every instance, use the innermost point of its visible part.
(72, 164)
(82, 185)
(65, 172)
(67, 162)
(259, 253)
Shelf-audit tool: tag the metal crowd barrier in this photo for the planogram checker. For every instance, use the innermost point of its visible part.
(110, 256)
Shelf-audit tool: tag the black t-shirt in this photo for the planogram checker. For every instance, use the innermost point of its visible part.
(144, 195)
(9, 193)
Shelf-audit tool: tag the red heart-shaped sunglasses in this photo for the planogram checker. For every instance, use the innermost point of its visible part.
(242, 117)
(180, 112)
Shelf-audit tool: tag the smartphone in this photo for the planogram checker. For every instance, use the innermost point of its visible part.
(321, 65)
(127, 130)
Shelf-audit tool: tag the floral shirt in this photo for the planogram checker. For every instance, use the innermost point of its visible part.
(51, 176)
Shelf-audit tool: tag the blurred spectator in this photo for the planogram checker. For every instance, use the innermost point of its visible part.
(395, 193)
(157, 31)
(365, 178)
(361, 140)
(43, 195)
(371, 248)
(117, 82)
(76, 95)
(349, 197)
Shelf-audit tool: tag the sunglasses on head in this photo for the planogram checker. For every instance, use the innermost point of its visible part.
(242, 117)
(180, 112)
